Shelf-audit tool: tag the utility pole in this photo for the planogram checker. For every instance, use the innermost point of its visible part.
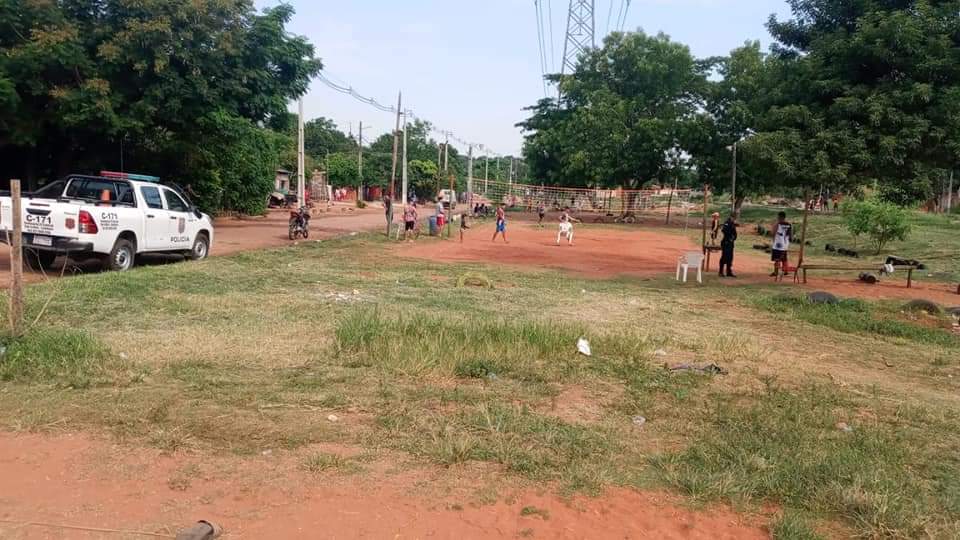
(301, 180)
(470, 176)
(733, 185)
(396, 142)
(446, 155)
(16, 261)
(405, 159)
(360, 162)
(510, 179)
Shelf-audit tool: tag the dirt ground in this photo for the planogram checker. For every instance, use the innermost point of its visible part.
(605, 252)
(78, 481)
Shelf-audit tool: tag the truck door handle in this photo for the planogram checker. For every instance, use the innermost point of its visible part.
(173, 217)
(150, 216)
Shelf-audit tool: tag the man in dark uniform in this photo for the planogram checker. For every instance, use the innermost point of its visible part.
(729, 231)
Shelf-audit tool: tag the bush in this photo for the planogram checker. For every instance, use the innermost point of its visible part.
(879, 220)
(232, 164)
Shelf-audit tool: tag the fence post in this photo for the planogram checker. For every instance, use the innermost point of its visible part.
(16, 261)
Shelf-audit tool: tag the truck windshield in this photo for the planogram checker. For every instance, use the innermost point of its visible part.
(94, 189)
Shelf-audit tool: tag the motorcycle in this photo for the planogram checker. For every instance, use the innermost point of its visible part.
(300, 223)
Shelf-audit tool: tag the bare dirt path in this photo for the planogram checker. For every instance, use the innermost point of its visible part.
(241, 234)
(76, 480)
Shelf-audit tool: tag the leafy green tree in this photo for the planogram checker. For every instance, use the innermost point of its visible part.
(80, 80)
(423, 177)
(321, 136)
(625, 106)
(342, 170)
(875, 85)
(882, 221)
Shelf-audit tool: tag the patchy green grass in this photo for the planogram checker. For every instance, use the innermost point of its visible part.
(859, 317)
(61, 355)
(252, 352)
(788, 446)
(791, 526)
(933, 239)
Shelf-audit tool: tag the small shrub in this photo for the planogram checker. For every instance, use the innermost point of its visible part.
(882, 221)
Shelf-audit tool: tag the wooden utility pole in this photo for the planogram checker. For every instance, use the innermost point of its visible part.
(360, 161)
(803, 229)
(486, 172)
(16, 262)
(706, 211)
(396, 142)
(676, 183)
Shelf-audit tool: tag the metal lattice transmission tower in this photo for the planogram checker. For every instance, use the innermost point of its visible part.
(580, 33)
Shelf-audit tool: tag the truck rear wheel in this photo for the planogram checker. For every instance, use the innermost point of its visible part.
(121, 257)
(40, 260)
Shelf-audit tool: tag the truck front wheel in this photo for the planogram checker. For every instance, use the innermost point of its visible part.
(121, 256)
(201, 248)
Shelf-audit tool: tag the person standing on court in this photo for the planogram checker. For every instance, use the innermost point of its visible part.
(727, 244)
(782, 235)
(388, 211)
(501, 225)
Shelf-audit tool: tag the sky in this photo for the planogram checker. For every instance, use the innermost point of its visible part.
(471, 68)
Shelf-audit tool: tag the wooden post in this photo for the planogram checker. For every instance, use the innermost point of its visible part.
(706, 203)
(803, 229)
(16, 261)
(676, 181)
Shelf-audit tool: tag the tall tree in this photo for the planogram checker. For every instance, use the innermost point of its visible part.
(624, 108)
(85, 83)
(880, 88)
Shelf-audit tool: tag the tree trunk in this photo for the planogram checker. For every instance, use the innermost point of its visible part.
(737, 205)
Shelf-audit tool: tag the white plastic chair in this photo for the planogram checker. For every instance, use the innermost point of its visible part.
(689, 260)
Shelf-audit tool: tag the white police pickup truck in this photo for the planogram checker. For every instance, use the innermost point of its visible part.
(114, 216)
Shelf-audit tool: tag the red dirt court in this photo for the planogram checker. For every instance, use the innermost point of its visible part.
(604, 251)
(53, 481)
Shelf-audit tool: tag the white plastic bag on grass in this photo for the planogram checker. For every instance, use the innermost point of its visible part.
(583, 346)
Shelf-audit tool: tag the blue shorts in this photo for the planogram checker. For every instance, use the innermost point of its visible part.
(502, 225)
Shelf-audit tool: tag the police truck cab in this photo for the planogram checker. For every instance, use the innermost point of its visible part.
(113, 216)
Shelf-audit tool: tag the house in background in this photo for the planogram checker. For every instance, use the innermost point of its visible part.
(282, 181)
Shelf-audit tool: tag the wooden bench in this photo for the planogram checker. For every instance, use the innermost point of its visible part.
(803, 267)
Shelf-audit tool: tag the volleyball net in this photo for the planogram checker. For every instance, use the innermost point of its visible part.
(604, 202)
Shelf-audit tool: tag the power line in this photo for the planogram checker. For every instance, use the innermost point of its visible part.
(620, 14)
(626, 10)
(543, 54)
(553, 56)
(609, 15)
(348, 90)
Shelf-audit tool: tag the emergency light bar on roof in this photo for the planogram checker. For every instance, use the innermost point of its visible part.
(129, 176)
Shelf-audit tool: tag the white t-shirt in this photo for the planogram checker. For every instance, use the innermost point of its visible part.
(781, 237)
